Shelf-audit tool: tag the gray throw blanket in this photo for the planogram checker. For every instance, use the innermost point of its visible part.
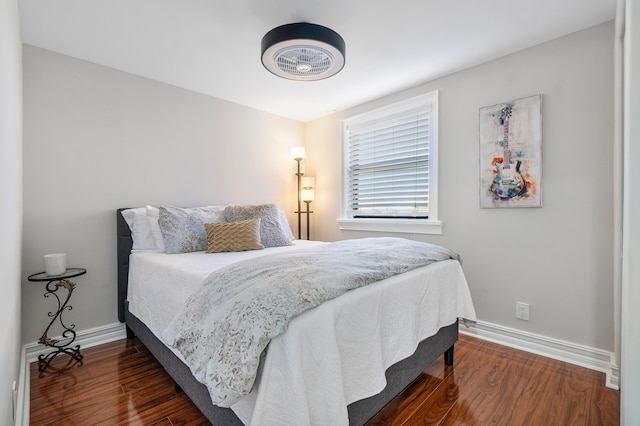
(226, 324)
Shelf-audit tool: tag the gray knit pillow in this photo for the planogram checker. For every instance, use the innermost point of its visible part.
(273, 232)
(183, 228)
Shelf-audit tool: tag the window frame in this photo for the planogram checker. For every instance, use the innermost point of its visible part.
(432, 225)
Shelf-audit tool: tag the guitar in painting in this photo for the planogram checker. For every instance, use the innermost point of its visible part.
(508, 182)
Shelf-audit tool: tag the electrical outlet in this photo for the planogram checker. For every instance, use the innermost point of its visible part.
(522, 311)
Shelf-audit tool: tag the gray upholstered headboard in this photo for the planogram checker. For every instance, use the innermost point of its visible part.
(125, 243)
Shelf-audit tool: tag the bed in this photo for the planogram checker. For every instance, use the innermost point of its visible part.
(396, 378)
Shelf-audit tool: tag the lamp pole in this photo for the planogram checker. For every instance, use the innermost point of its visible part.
(299, 212)
(308, 202)
(298, 154)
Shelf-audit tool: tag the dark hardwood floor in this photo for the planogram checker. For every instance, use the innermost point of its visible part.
(120, 383)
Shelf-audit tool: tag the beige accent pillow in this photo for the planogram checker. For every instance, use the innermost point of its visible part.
(233, 236)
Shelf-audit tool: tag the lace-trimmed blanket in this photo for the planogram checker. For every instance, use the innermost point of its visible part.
(225, 325)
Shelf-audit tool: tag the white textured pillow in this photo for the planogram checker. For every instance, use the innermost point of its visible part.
(284, 225)
(153, 214)
(183, 228)
(141, 234)
(128, 215)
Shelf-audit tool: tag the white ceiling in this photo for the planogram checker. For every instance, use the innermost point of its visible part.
(213, 46)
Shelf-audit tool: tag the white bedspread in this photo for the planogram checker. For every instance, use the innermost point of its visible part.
(310, 377)
(160, 283)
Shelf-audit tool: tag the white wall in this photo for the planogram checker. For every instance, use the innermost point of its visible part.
(557, 258)
(630, 362)
(96, 139)
(11, 202)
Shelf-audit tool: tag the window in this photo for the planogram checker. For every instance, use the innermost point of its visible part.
(390, 168)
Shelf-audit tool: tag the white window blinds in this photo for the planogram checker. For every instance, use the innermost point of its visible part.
(388, 164)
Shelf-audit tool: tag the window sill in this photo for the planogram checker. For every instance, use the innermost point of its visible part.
(409, 226)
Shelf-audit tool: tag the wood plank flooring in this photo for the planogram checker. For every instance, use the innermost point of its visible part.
(120, 383)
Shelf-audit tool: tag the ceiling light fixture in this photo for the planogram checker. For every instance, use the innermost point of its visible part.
(303, 51)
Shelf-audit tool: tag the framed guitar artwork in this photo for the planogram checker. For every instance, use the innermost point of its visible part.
(511, 154)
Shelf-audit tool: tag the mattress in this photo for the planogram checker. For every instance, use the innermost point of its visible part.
(311, 377)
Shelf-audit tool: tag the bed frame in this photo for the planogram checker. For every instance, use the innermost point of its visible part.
(399, 375)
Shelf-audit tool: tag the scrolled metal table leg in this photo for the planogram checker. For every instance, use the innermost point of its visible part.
(68, 335)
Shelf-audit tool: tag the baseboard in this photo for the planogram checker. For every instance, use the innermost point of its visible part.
(86, 339)
(584, 356)
(22, 405)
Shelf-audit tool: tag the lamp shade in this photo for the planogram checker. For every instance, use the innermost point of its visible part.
(307, 195)
(307, 182)
(297, 152)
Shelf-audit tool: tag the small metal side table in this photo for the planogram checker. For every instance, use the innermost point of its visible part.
(54, 282)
